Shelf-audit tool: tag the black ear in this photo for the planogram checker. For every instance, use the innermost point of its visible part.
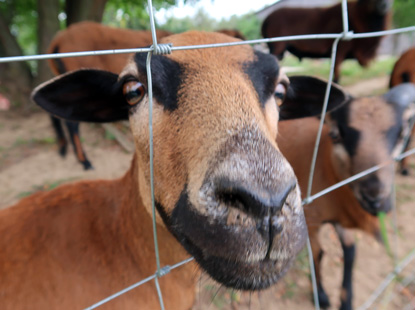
(305, 97)
(84, 95)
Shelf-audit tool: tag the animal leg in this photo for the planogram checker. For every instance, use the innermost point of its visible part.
(73, 128)
(277, 49)
(60, 135)
(317, 256)
(349, 252)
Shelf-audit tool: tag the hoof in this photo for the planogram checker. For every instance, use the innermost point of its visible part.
(323, 300)
(346, 306)
(62, 150)
(87, 165)
(405, 171)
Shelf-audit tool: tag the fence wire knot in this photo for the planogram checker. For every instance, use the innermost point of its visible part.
(163, 271)
(162, 49)
(347, 36)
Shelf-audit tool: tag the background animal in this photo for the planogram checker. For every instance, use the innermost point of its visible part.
(404, 72)
(224, 193)
(90, 36)
(364, 16)
(359, 135)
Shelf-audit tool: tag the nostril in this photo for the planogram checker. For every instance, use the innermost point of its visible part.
(260, 203)
(373, 200)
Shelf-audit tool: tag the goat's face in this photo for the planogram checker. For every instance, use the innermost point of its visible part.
(222, 186)
(367, 132)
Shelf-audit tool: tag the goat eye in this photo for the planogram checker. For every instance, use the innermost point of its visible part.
(133, 92)
(280, 92)
(335, 137)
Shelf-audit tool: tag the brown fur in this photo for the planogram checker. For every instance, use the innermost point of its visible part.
(72, 246)
(299, 21)
(404, 71)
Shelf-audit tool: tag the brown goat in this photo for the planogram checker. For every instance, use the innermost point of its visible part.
(90, 36)
(404, 72)
(361, 134)
(364, 16)
(224, 192)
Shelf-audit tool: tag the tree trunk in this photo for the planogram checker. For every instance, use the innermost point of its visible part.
(48, 26)
(15, 77)
(96, 11)
(80, 10)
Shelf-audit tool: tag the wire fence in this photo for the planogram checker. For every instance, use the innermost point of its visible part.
(166, 48)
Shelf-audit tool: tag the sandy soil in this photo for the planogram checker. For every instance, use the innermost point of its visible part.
(29, 162)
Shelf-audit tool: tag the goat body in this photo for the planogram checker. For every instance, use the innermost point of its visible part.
(364, 16)
(223, 192)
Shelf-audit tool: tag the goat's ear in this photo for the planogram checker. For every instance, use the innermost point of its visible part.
(305, 97)
(84, 95)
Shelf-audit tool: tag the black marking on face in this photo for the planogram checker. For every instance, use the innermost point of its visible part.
(350, 137)
(167, 76)
(263, 72)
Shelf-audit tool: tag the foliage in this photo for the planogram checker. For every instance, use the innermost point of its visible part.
(131, 14)
(247, 24)
(404, 12)
(21, 15)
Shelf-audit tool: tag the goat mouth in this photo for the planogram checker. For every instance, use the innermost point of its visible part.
(237, 256)
(375, 207)
(245, 275)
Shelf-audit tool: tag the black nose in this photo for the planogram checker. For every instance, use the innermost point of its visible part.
(260, 203)
(264, 205)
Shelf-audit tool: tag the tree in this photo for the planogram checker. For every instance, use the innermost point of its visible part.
(403, 13)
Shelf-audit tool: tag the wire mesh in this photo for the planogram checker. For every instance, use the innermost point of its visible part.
(157, 49)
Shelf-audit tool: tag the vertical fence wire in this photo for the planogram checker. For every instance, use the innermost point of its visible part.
(345, 35)
(150, 125)
(316, 147)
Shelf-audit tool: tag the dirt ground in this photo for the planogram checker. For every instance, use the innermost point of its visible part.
(29, 162)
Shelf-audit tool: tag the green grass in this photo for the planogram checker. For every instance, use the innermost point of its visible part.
(351, 71)
(42, 141)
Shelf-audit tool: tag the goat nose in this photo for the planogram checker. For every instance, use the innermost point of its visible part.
(373, 200)
(262, 203)
(265, 205)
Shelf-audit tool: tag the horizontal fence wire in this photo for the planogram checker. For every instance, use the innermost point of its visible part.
(165, 270)
(337, 37)
(348, 36)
